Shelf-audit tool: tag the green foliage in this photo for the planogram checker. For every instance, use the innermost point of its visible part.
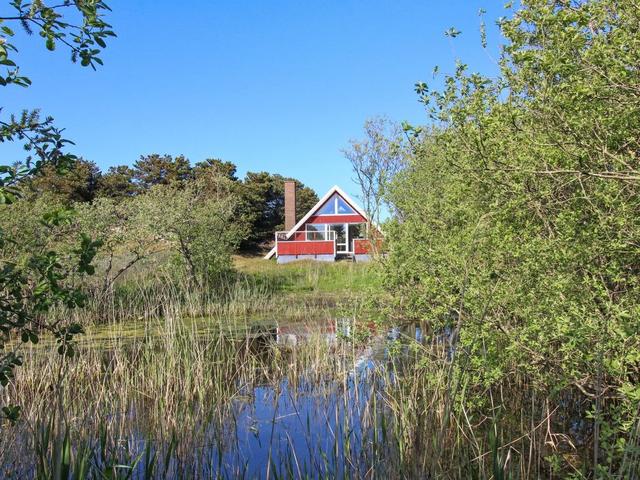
(84, 39)
(78, 182)
(221, 167)
(31, 287)
(122, 226)
(203, 228)
(157, 169)
(518, 219)
(264, 197)
(117, 183)
(45, 145)
(34, 275)
(260, 196)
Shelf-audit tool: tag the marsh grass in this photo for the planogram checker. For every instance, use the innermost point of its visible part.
(175, 391)
(255, 289)
(232, 401)
(206, 383)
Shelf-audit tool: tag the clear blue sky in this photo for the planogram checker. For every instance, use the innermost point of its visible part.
(279, 86)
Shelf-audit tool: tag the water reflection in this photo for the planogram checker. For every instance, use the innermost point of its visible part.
(332, 427)
(329, 418)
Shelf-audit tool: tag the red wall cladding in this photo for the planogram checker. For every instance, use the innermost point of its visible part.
(306, 248)
(361, 246)
(337, 219)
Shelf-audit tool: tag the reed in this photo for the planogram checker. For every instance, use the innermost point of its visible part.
(256, 289)
(181, 400)
(198, 386)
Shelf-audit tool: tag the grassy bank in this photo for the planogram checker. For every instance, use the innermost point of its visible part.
(343, 278)
(256, 289)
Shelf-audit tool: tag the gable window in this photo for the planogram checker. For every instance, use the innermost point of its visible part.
(328, 208)
(336, 206)
(342, 206)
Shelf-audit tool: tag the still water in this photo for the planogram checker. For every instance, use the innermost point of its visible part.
(318, 426)
(301, 400)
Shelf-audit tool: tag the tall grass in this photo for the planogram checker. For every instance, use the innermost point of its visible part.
(257, 288)
(185, 401)
(169, 393)
(196, 387)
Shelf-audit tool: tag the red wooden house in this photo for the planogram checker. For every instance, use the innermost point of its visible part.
(336, 227)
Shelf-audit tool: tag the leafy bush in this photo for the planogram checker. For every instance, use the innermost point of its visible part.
(204, 229)
(518, 216)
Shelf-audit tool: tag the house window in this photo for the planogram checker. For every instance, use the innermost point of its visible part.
(357, 230)
(316, 231)
(328, 208)
(336, 206)
(343, 207)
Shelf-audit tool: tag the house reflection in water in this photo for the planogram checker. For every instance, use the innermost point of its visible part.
(293, 334)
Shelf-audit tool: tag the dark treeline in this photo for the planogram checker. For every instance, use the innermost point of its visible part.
(261, 194)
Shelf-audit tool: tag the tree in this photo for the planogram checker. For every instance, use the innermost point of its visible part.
(203, 229)
(118, 182)
(261, 197)
(264, 193)
(31, 287)
(519, 227)
(125, 238)
(375, 160)
(157, 169)
(84, 40)
(225, 168)
(24, 223)
(77, 183)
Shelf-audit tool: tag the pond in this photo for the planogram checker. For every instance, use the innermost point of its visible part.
(218, 400)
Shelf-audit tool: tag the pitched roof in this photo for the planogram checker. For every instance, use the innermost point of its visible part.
(316, 207)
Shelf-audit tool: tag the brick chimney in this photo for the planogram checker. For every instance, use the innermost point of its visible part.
(289, 204)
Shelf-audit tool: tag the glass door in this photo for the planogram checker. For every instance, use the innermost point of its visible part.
(341, 236)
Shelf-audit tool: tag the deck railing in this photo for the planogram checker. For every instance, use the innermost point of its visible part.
(309, 242)
(300, 243)
(308, 236)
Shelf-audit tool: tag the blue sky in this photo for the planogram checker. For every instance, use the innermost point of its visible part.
(279, 86)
